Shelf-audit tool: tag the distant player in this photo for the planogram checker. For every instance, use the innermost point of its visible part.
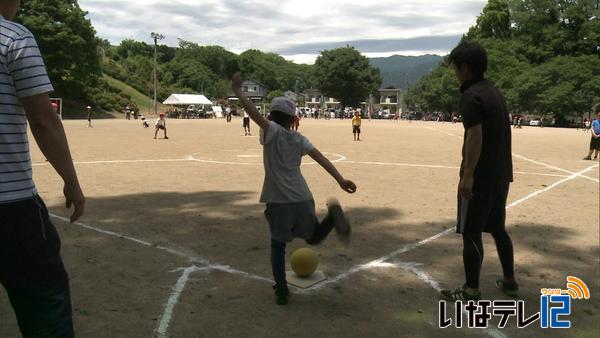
(587, 125)
(290, 206)
(356, 123)
(296, 124)
(144, 122)
(246, 123)
(228, 114)
(161, 124)
(595, 141)
(89, 116)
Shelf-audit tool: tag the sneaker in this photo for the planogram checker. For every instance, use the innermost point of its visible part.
(589, 158)
(166, 138)
(282, 295)
(453, 295)
(509, 288)
(342, 226)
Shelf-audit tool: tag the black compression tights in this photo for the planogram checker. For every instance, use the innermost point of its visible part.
(473, 255)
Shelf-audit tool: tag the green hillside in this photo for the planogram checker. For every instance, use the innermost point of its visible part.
(144, 103)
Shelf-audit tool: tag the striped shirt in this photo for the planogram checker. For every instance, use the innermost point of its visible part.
(22, 74)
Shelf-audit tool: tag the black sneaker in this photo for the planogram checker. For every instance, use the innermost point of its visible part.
(453, 295)
(509, 288)
(282, 295)
(342, 226)
(589, 158)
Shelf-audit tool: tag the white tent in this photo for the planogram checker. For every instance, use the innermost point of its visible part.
(187, 99)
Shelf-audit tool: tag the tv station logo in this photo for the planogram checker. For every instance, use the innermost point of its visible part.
(555, 307)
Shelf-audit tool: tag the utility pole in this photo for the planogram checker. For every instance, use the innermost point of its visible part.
(156, 37)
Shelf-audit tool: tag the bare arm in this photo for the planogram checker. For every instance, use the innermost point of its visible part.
(346, 185)
(50, 136)
(472, 154)
(236, 85)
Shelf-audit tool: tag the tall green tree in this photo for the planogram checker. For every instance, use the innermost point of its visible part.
(68, 43)
(346, 74)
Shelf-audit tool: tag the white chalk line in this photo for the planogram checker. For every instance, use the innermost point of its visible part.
(409, 247)
(526, 159)
(192, 259)
(554, 167)
(192, 157)
(341, 159)
(117, 161)
(176, 291)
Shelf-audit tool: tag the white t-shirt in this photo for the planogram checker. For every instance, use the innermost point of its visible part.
(22, 74)
(160, 122)
(246, 115)
(282, 155)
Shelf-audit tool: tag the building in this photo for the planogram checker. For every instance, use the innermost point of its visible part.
(390, 99)
(255, 90)
(296, 97)
(314, 100)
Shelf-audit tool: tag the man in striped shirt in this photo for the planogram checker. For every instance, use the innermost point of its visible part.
(31, 268)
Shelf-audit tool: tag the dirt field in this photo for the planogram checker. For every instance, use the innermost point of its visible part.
(174, 242)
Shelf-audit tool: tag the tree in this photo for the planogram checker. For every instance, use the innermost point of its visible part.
(346, 74)
(68, 43)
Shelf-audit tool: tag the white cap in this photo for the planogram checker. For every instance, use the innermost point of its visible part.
(88, 107)
(284, 105)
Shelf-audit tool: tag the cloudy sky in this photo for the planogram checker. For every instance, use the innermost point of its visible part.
(296, 29)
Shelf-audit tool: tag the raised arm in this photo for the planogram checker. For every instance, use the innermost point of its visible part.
(236, 85)
(346, 185)
(50, 137)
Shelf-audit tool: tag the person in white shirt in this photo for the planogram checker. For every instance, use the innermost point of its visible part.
(290, 205)
(246, 123)
(161, 124)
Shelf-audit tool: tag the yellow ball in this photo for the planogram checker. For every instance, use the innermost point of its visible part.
(304, 262)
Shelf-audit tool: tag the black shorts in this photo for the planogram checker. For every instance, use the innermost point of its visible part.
(356, 129)
(484, 212)
(29, 247)
(595, 143)
(160, 127)
(246, 122)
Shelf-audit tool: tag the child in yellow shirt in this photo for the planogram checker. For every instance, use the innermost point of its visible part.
(356, 122)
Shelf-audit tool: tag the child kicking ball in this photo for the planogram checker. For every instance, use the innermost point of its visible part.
(290, 208)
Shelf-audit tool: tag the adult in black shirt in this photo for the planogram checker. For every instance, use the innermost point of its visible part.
(486, 171)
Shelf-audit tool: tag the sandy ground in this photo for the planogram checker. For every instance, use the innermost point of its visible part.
(192, 202)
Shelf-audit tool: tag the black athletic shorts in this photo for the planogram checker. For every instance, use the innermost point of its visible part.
(160, 127)
(29, 247)
(246, 122)
(484, 212)
(595, 143)
(356, 129)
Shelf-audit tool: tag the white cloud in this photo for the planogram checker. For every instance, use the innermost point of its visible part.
(298, 29)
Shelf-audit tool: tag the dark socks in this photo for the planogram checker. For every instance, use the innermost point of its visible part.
(322, 230)
(278, 263)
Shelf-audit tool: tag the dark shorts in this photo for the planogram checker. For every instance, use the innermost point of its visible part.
(160, 127)
(595, 143)
(485, 212)
(356, 129)
(291, 220)
(246, 122)
(32, 270)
